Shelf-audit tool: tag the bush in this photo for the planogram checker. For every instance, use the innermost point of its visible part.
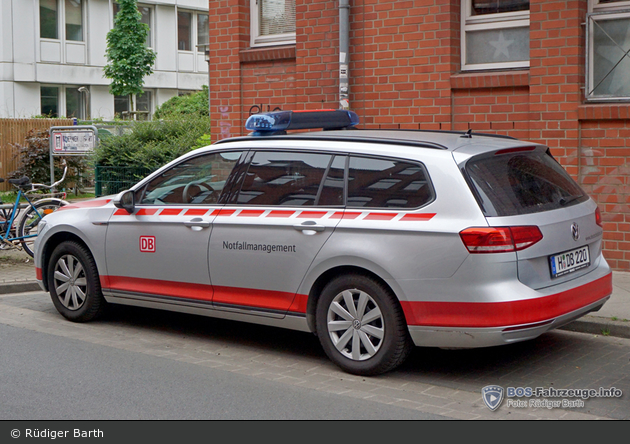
(191, 104)
(153, 143)
(33, 160)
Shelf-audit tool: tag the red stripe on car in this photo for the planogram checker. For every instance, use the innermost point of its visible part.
(508, 313)
(417, 217)
(171, 211)
(380, 216)
(196, 212)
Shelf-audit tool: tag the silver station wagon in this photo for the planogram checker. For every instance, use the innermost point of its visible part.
(374, 240)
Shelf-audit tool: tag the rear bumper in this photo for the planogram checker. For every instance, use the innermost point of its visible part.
(482, 324)
(470, 337)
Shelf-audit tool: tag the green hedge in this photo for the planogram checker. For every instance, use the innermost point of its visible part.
(154, 143)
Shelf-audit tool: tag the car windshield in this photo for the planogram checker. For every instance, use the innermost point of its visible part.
(522, 182)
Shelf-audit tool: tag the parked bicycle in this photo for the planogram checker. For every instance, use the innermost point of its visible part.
(19, 220)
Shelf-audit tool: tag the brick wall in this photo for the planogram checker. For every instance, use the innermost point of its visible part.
(405, 73)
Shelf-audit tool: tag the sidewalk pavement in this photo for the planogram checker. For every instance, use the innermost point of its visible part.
(17, 274)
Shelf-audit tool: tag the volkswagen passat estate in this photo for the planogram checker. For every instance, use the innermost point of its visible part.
(374, 240)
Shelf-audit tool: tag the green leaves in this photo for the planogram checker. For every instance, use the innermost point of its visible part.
(129, 59)
(152, 144)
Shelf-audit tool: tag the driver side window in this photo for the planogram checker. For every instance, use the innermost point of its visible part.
(196, 181)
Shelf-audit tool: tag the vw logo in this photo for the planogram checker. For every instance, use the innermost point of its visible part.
(356, 324)
(575, 232)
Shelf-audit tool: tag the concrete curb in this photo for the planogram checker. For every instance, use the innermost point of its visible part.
(19, 287)
(598, 325)
(595, 325)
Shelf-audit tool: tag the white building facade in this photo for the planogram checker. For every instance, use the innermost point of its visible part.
(52, 54)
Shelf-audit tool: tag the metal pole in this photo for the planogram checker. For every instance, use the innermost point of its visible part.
(344, 54)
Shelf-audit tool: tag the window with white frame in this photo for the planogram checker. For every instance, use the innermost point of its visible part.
(143, 102)
(495, 34)
(192, 31)
(62, 101)
(272, 22)
(146, 18)
(608, 50)
(50, 13)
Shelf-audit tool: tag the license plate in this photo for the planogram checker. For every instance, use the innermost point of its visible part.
(569, 261)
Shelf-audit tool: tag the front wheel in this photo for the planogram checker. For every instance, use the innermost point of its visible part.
(27, 230)
(74, 283)
(361, 326)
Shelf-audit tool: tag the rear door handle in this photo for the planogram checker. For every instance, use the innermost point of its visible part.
(197, 222)
(310, 226)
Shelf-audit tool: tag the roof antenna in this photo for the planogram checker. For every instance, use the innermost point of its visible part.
(468, 134)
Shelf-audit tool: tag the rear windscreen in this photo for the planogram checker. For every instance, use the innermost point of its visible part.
(521, 183)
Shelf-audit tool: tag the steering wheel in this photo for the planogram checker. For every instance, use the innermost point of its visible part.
(193, 189)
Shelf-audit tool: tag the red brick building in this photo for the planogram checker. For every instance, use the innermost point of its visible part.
(549, 71)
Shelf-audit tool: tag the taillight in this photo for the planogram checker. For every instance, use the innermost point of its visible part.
(500, 239)
(598, 217)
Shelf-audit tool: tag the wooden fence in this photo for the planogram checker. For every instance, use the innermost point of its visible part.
(14, 131)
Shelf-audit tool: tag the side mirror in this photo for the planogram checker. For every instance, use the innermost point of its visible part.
(126, 200)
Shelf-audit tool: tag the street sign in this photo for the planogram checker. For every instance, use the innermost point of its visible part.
(72, 140)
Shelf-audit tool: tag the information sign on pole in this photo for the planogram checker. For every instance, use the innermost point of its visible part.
(76, 140)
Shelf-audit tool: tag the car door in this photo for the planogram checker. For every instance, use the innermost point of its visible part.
(161, 250)
(264, 241)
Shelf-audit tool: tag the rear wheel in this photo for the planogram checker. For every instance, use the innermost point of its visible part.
(74, 283)
(361, 326)
(27, 230)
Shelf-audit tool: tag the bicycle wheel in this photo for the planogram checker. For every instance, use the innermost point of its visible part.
(30, 220)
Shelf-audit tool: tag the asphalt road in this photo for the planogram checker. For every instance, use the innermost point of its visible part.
(146, 364)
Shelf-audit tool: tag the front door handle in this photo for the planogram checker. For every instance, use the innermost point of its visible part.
(197, 222)
(309, 225)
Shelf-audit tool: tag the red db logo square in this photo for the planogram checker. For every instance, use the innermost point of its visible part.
(147, 244)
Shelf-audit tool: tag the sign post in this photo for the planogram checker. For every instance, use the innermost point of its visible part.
(76, 140)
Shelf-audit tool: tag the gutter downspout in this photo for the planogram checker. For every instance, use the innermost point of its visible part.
(344, 54)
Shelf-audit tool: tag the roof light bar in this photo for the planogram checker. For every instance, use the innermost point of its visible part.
(279, 122)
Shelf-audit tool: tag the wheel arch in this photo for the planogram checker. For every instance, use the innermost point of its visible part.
(330, 274)
(51, 243)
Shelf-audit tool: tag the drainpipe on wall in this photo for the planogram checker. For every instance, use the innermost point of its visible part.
(344, 54)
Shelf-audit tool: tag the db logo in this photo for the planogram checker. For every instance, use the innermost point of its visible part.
(147, 244)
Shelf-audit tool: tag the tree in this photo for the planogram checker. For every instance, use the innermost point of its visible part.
(129, 59)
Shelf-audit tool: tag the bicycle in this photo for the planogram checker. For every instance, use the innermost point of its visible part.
(19, 220)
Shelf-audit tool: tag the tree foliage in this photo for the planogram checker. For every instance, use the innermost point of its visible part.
(129, 59)
(191, 104)
(152, 144)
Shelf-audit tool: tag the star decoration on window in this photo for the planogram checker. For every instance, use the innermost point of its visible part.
(501, 46)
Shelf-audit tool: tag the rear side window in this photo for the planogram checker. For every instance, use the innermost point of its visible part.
(284, 178)
(387, 183)
(522, 183)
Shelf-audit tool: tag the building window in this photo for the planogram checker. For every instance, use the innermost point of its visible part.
(49, 13)
(74, 20)
(48, 19)
(184, 31)
(608, 50)
(144, 106)
(146, 13)
(50, 101)
(495, 34)
(191, 26)
(202, 29)
(272, 22)
(55, 99)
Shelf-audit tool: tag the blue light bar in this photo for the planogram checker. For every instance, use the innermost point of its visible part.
(279, 122)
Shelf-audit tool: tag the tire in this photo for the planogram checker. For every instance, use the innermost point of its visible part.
(74, 283)
(30, 220)
(361, 326)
